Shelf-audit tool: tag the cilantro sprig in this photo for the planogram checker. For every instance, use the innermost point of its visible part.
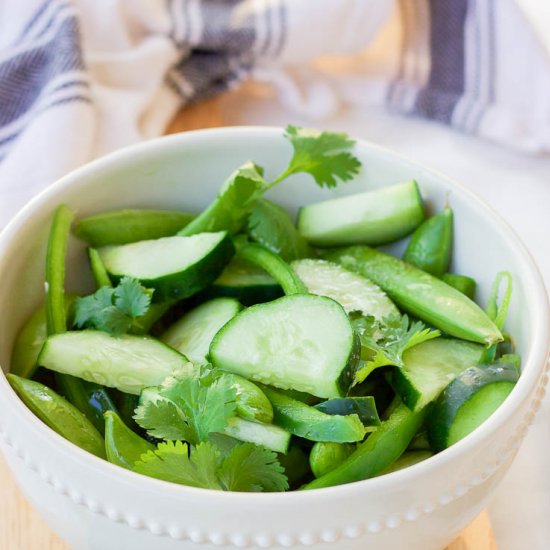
(245, 467)
(187, 408)
(185, 411)
(384, 342)
(325, 156)
(114, 310)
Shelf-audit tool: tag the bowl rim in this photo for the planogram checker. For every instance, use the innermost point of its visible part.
(533, 365)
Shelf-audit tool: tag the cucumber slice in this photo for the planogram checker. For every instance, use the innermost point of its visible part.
(430, 366)
(268, 436)
(471, 398)
(352, 291)
(303, 342)
(376, 217)
(193, 333)
(128, 363)
(246, 282)
(129, 226)
(176, 267)
(310, 423)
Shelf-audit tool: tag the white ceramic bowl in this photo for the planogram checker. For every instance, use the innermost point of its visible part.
(95, 505)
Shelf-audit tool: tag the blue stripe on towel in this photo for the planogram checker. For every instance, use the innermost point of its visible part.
(445, 86)
(33, 20)
(24, 76)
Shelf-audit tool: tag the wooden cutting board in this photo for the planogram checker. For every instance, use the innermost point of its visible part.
(21, 528)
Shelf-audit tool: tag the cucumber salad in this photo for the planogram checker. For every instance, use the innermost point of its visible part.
(234, 349)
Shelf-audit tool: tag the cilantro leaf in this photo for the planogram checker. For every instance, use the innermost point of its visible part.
(271, 225)
(114, 310)
(132, 298)
(324, 155)
(248, 468)
(244, 468)
(230, 209)
(170, 461)
(384, 342)
(187, 407)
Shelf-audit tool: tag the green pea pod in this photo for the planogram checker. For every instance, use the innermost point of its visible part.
(58, 414)
(30, 340)
(462, 283)
(272, 263)
(420, 294)
(91, 397)
(407, 459)
(101, 277)
(56, 317)
(128, 226)
(124, 447)
(325, 456)
(431, 245)
(381, 449)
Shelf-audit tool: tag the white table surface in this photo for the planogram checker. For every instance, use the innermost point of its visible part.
(516, 186)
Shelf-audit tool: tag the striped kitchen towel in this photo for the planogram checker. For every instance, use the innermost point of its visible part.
(79, 78)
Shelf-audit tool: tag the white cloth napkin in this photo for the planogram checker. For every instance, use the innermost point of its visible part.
(79, 78)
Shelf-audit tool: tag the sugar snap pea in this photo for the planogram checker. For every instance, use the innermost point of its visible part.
(325, 456)
(462, 283)
(420, 293)
(128, 226)
(123, 446)
(381, 449)
(431, 244)
(91, 397)
(99, 272)
(274, 265)
(58, 414)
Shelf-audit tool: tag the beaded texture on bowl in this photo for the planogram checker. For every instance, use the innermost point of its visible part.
(286, 540)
